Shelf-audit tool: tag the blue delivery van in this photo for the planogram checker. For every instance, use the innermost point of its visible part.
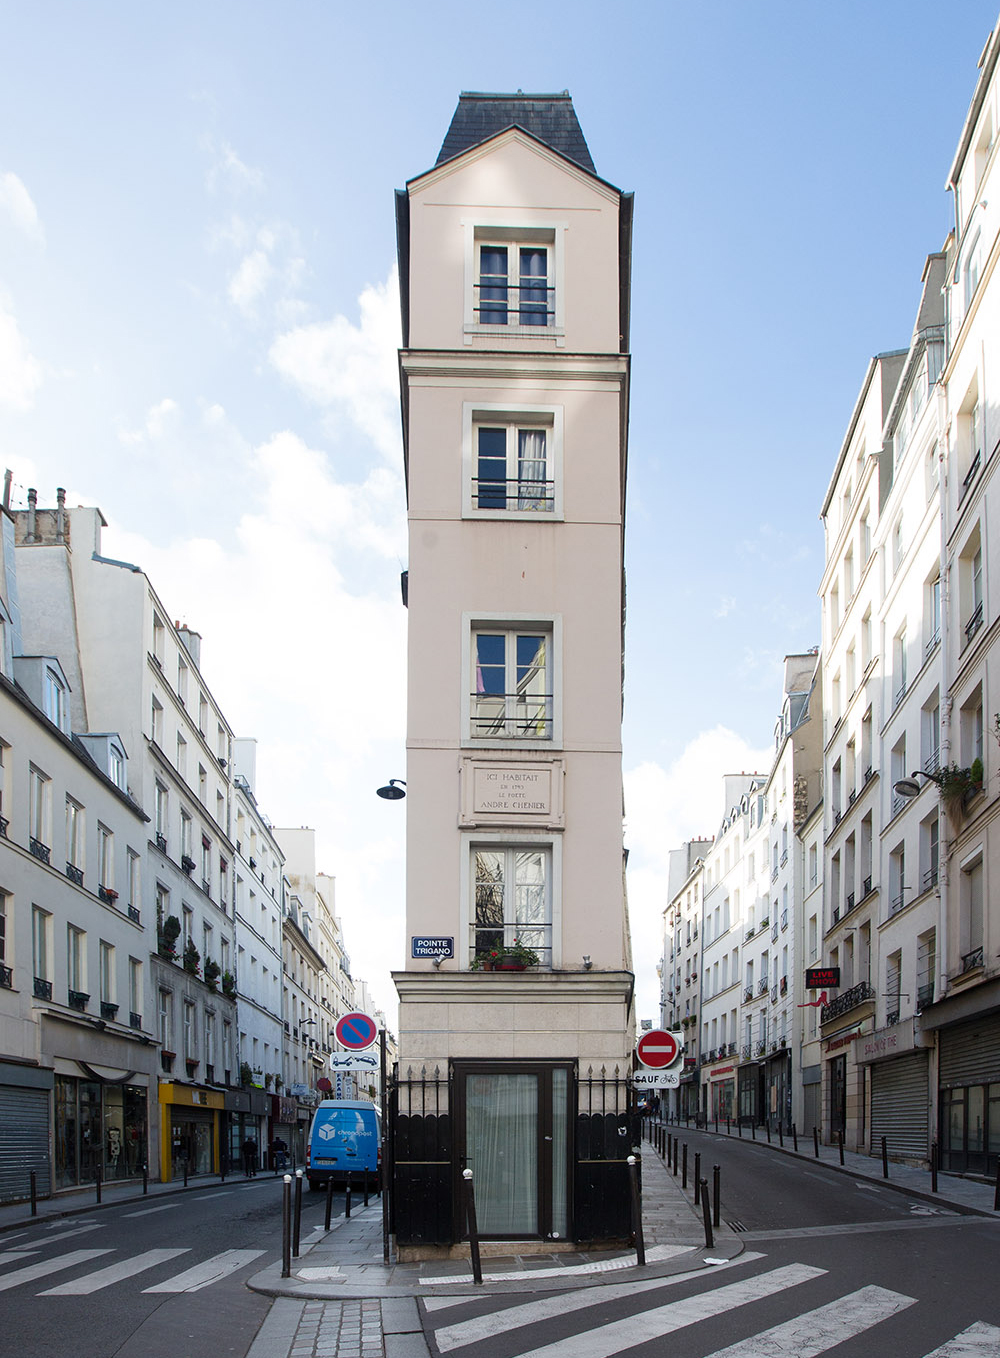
(345, 1137)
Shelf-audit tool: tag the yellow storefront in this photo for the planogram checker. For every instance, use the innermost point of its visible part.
(190, 1125)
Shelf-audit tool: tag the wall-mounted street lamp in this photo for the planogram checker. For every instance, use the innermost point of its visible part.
(910, 788)
(393, 790)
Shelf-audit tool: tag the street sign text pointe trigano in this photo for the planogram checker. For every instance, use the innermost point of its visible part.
(659, 1049)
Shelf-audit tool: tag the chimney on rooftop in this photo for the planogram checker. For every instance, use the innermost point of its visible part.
(192, 640)
(32, 506)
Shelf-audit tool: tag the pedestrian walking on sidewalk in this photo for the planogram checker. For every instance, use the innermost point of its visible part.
(250, 1157)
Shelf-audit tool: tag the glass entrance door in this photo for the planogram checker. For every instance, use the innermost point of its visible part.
(514, 1135)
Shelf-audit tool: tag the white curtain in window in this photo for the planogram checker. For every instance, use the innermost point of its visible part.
(531, 488)
(502, 1151)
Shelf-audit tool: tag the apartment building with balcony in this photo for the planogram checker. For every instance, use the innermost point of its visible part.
(141, 679)
(961, 1015)
(853, 687)
(78, 1067)
(258, 868)
(515, 262)
(680, 975)
(724, 915)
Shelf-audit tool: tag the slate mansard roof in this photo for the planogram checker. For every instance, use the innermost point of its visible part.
(549, 117)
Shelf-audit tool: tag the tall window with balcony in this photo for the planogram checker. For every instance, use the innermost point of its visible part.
(514, 285)
(39, 785)
(512, 685)
(511, 892)
(970, 940)
(74, 841)
(512, 468)
(932, 604)
(899, 659)
(930, 848)
(76, 966)
(897, 879)
(926, 968)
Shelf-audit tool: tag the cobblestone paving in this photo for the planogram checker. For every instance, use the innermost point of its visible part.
(339, 1329)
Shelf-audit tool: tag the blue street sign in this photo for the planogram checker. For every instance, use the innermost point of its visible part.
(435, 946)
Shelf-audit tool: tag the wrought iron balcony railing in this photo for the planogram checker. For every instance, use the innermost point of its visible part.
(849, 1000)
(42, 989)
(74, 874)
(39, 849)
(971, 960)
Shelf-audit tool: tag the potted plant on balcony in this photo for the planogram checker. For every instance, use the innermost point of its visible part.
(229, 984)
(246, 1074)
(167, 936)
(192, 958)
(212, 972)
(515, 956)
(958, 786)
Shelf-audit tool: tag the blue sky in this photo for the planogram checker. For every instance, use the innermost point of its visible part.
(198, 318)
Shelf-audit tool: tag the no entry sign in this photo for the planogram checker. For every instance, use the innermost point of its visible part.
(356, 1031)
(659, 1049)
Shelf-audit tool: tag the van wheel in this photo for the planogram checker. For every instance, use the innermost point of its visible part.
(314, 1187)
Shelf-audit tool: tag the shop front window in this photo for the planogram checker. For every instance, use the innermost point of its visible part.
(98, 1127)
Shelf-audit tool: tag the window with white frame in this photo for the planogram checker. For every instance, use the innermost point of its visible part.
(512, 461)
(74, 835)
(105, 857)
(512, 689)
(166, 1019)
(56, 700)
(512, 898)
(4, 946)
(135, 986)
(116, 766)
(76, 952)
(156, 721)
(38, 805)
(933, 626)
(970, 940)
(134, 879)
(514, 283)
(107, 968)
(41, 951)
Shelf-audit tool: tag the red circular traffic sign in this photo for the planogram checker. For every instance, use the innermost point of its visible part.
(658, 1049)
(356, 1031)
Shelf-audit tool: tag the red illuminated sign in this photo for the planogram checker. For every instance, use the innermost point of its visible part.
(822, 978)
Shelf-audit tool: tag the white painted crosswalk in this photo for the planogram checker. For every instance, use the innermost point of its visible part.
(19, 1267)
(460, 1325)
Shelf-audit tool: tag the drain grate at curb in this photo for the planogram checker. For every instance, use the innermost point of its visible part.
(736, 1225)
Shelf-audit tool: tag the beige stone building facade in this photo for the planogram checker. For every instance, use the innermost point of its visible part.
(514, 371)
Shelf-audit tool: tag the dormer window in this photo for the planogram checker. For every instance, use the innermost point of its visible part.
(116, 767)
(513, 287)
(55, 700)
(513, 279)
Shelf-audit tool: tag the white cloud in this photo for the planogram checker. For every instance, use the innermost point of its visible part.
(304, 647)
(159, 419)
(20, 371)
(250, 280)
(228, 171)
(664, 807)
(725, 606)
(351, 369)
(17, 203)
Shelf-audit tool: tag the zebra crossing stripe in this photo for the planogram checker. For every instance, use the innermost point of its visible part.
(43, 1241)
(606, 1340)
(208, 1272)
(530, 1313)
(814, 1332)
(114, 1273)
(978, 1341)
(33, 1271)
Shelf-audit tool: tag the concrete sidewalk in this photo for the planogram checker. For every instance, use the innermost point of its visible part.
(73, 1202)
(967, 1195)
(348, 1261)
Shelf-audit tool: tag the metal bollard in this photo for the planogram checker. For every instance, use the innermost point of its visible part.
(753, 1129)
(223, 1165)
(934, 1166)
(716, 1193)
(841, 1139)
(297, 1216)
(185, 1172)
(707, 1215)
(366, 1188)
(795, 1139)
(286, 1226)
(816, 1142)
(767, 1124)
(97, 1182)
(729, 1130)
(697, 1176)
(347, 1198)
(996, 1191)
(716, 1124)
(885, 1160)
(329, 1203)
(470, 1212)
(145, 1180)
(34, 1194)
(684, 1167)
(781, 1136)
(633, 1179)
(739, 1127)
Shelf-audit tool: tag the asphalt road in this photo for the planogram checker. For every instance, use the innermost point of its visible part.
(225, 1233)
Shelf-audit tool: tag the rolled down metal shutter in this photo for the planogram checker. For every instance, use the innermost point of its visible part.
(901, 1105)
(969, 1052)
(24, 1142)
